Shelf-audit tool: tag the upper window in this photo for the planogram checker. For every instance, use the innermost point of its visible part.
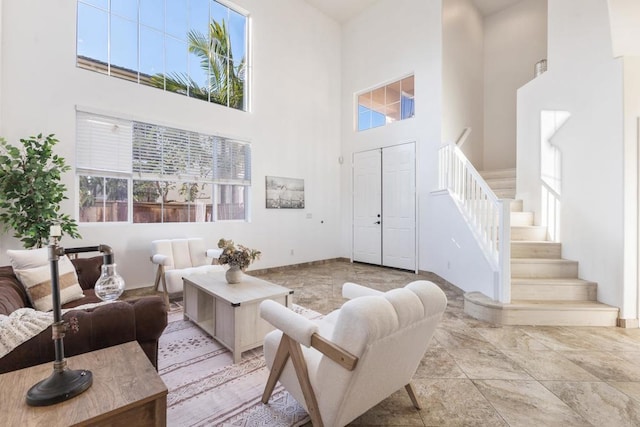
(145, 173)
(386, 104)
(196, 48)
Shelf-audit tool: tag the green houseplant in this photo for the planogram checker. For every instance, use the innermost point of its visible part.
(31, 191)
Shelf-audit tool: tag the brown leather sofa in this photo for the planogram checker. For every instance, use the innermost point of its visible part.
(142, 320)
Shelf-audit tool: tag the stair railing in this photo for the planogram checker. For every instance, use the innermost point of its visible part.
(488, 216)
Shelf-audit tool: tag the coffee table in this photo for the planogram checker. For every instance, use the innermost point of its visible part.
(230, 313)
(126, 390)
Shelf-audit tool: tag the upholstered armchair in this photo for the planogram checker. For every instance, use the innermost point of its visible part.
(177, 258)
(343, 365)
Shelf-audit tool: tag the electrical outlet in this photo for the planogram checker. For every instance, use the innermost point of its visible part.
(291, 251)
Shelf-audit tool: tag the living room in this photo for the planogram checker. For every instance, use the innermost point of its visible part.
(317, 146)
(295, 48)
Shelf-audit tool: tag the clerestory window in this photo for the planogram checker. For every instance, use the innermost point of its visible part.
(130, 171)
(386, 104)
(197, 48)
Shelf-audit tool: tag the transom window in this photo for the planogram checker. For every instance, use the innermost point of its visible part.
(386, 104)
(131, 171)
(196, 48)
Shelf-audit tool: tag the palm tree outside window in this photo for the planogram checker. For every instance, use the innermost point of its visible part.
(197, 48)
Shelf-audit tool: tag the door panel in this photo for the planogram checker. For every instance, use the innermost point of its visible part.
(367, 188)
(399, 207)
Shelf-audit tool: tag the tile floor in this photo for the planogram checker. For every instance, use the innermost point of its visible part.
(479, 374)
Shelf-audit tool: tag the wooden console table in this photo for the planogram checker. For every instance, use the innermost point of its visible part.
(230, 313)
(126, 391)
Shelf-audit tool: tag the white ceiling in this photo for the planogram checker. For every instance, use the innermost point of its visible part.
(487, 7)
(343, 10)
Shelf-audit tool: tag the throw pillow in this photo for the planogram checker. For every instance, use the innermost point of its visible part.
(34, 272)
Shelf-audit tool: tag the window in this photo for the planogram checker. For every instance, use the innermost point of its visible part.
(139, 172)
(386, 104)
(197, 48)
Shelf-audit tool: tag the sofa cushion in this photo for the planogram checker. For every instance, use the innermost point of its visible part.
(33, 270)
(174, 277)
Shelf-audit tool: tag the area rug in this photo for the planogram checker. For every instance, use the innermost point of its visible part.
(207, 389)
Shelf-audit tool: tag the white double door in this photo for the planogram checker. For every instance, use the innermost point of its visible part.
(384, 206)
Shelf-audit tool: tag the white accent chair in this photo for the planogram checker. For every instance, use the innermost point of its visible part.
(177, 258)
(356, 356)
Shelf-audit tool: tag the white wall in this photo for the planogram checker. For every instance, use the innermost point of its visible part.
(463, 76)
(584, 79)
(373, 54)
(631, 70)
(454, 252)
(515, 39)
(625, 30)
(293, 127)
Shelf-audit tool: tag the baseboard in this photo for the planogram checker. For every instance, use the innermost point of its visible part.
(301, 265)
(628, 323)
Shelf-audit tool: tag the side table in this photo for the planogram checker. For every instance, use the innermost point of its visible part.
(126, 391)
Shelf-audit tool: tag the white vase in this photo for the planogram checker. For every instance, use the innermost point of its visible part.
(233, 274)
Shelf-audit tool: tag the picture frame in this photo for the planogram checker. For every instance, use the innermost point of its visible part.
(284, 193)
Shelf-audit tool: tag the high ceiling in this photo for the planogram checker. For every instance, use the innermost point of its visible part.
(487, 7)
(343, 10)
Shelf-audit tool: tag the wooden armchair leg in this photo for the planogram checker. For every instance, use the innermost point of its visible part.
(302, 373)
(282, 355)
(156, 284)
(413, 396)
(290, 348)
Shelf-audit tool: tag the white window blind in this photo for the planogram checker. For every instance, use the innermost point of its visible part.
(232, 162)
(103, 143)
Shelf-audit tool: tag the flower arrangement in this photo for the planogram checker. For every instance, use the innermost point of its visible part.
(240, 257)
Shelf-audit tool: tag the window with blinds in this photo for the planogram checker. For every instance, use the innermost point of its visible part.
(130, 171)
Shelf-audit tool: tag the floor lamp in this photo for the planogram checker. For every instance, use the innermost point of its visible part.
(65, 383)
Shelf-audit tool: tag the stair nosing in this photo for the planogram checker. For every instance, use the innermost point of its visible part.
(543, 261)
(559, 281)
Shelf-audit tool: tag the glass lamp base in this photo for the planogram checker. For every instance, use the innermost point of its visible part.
(60, 386)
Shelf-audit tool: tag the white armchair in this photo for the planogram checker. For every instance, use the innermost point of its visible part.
(177, 258)
(356, 356)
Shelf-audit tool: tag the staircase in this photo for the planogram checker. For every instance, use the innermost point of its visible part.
(545, 288)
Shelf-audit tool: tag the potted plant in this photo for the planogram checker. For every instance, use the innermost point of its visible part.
(238, 259)
(31, 190)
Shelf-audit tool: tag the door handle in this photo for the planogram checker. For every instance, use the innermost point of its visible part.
(377, 222)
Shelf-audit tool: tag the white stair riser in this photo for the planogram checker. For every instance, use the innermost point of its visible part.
(555, 292)
(501, 183)
(519, 219)
(528, 233)
(550, 317)
(556, 313)
(523, 249)
(516, 206)
(561, 270)
(505, 194)
(501, 173)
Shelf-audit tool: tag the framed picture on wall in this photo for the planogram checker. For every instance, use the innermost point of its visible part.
(284, 193)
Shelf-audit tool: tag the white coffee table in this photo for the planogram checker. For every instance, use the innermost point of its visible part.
(230, 313)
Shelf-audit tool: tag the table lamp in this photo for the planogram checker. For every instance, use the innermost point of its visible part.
(65, 383)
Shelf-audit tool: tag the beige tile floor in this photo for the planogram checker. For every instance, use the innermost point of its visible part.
(479, 374)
